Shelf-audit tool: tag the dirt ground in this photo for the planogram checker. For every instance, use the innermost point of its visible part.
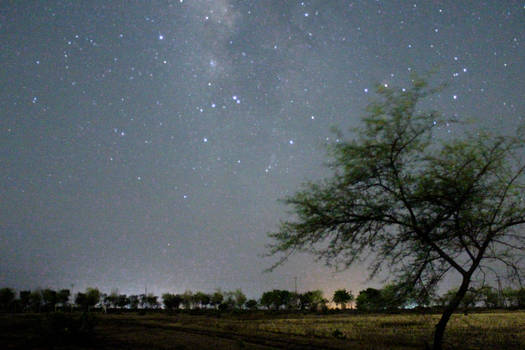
(258, 331)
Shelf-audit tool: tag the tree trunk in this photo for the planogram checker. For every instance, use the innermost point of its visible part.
(447, 313)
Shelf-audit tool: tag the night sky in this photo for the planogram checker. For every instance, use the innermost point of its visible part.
(146, 143)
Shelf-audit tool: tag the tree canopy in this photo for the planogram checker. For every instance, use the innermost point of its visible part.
(420, 204)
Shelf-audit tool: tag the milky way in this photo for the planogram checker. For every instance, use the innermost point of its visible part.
(145, 144)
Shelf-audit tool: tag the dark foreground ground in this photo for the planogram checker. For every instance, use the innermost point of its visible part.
(258, 331)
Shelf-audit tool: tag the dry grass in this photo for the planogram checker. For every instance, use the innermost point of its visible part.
(494, 330)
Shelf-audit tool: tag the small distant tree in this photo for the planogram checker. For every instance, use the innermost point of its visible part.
(88, 299)
(143, 301)
(416, 203)
(317, 300)
(217, 298)
(171, 301)
(369, 300)
(268, 300)
(122, 301)
(134, 302)
(201, 299)
(111, 300)
(7, 296)
(295, 301)
(283, 298)
(490, 297)
(252, 304)
(239, 298)
(81, 300)
(342, 297)
(25, 299)
(187, 299)
(394, 297)
(49, 297)
(63, 297)
(229, 301)
(35, 300)
(152, 301)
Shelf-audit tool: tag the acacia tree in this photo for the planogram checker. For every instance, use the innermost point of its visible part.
(421, 204)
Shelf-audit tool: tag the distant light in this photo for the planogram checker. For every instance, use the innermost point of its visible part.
(455, 97)
(366, 90)
(290, 142)
(205, 140)
(161, 37)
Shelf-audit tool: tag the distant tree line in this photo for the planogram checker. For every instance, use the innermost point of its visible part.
(390, 298)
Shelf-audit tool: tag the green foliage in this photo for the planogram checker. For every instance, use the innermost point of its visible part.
(417, 204)
(416, 201)
(187, 299)
(252, 304)
(240, 298)
(369, 300)
(342, 297)
(134, 302)
(217, 298)
(278, 299)
(89, 299)
(171, 301)
(63, 297)
(201, 299)
(92, 296)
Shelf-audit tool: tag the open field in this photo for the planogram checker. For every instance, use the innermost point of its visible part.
(259, 331)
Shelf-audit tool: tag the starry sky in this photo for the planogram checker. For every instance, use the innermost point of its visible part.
(144, 144)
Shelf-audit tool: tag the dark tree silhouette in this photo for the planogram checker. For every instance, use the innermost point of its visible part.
(369, 300)
(420, 204)
(50, 299)
(171, 301)
(88, 299)
(252, 304)
(25, 299)
(216, 298)
(7, 296)
(342, 297)
(63, 297)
